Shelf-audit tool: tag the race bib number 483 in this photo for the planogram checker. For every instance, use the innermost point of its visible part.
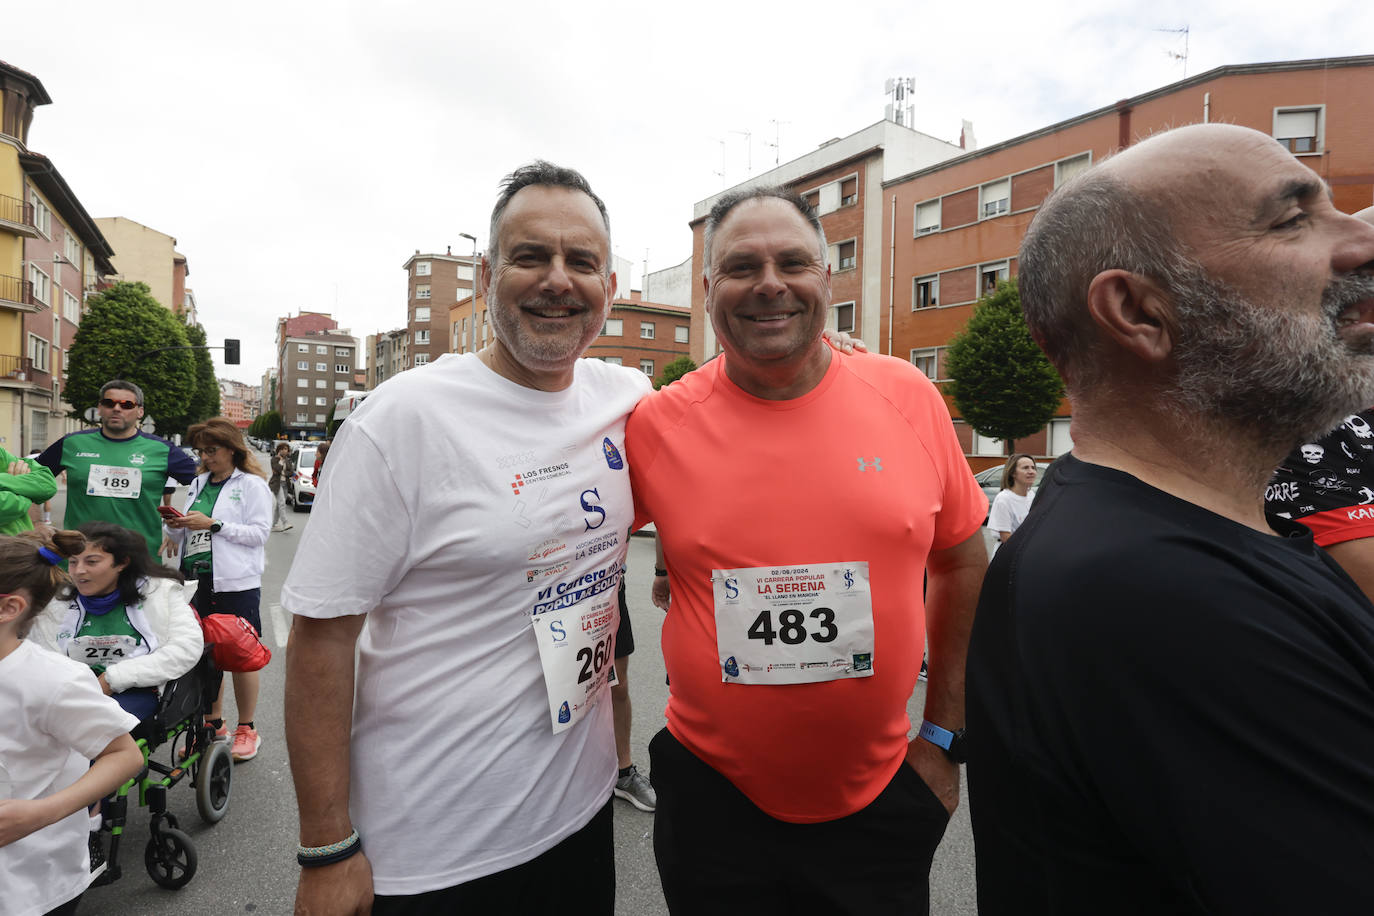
(793, 624)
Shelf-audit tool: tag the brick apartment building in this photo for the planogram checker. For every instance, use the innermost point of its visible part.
(434, 283)
(843, 180)
(645, 335)
(316, 362)
(387, 352)
(958, 224)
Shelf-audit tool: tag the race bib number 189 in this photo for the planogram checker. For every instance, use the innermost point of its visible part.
(793, 624)
(119, 483)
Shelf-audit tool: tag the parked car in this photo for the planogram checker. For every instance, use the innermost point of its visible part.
(991, 480)
(300, 491)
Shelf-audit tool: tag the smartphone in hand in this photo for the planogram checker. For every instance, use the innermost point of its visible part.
(169, 513)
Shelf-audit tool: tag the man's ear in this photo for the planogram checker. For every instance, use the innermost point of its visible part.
(1133, 312)
(484, 278)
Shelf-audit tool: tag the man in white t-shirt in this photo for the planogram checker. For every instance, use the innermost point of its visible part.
(472, 529)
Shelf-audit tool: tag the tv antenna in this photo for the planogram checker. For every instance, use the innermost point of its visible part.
(777, 139)
(1174, 54)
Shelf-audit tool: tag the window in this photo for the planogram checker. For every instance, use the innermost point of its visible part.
(341, 386)
(926, 359)
(614, 327)
(421, 313)
(1060, 441)
(1065, 169)
(38, 421)
(849, 191)
(989, 275)
(844, 317)
(982, 445)
(421, 337)
(813, 200)
(321, 349)
(42, 217)
(680, 334)
(71, 307)
(343, 351)
(321, 402)
(302, 383)
(422, 291)
(612, 360)
(38, 352)
(340, 367)
(303, 365)
(302, 418)
(926, 293)
(421, 359)
(422, 268)
(42, 286)
(302, 400)
(994, 198)
(319, 418)
(928, 217)
(321, 383)
(847, 255)
(646, 330)
(72, 249)
(647, 367)
(302, 348)
(465, 273)
(1298, 129)
(322, 367)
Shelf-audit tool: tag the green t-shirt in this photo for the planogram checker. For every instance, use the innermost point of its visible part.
(103, 640)
(196, 558)
(18, 492)
(117, 480)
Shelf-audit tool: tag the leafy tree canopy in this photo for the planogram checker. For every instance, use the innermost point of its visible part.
(123, 323)
(204, 402)
(266, 426)
(1001, 380)
(674, 371)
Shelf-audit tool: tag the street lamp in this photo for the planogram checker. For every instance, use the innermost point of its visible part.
(473, 239)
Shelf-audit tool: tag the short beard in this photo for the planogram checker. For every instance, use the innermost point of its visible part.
(1276, 378)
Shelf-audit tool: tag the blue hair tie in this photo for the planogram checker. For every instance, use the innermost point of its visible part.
(49, 555)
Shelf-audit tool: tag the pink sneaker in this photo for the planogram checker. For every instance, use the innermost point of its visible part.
(246, 743)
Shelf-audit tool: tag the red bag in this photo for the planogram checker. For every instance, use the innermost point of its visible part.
(235, 645)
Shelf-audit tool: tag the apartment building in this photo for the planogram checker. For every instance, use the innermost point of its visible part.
(957, 224)
(146, 255)
(434, 283)
(645, 335)
(51, 255)
(843, 180)
(316, 362)
(387, 352)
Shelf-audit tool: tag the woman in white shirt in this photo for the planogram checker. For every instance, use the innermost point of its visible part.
(1011, 505)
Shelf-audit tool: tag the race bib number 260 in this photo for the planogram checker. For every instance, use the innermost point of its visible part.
(794, 624)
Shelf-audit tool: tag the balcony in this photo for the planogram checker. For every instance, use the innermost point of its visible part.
(17, 216)
(17, 294)
(15, 371)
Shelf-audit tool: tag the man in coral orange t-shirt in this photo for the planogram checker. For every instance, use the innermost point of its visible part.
(801, 497)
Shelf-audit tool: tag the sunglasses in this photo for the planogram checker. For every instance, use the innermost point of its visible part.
(109, 403)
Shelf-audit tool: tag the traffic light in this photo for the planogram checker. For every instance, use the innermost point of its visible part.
(231, 351)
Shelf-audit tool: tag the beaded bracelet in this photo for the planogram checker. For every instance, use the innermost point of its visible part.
(315, 856)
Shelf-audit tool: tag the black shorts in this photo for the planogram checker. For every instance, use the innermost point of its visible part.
(243, 604)
(625, 636)
(713, 844)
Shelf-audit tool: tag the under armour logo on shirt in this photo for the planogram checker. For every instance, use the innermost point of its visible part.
(876, 464)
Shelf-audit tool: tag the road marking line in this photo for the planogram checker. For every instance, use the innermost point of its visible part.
(281, 624)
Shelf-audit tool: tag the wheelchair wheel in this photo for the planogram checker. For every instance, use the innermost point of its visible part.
(170, 857)
(213, 779)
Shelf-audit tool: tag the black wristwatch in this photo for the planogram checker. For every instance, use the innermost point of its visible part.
(660, 571)
(951, 742)
(215, 525)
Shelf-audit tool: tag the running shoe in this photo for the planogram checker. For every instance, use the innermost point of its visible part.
(97, 850)
(246, 743)
(634, 788)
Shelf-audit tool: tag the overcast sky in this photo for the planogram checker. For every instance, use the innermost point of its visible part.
(300, 153)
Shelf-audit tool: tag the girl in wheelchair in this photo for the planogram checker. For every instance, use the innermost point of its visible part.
(54, 721)
(129, 621)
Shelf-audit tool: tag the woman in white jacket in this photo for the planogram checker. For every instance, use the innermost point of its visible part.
(129, 620)
(221, 539)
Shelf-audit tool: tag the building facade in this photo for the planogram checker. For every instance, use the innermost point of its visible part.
(434, 283)
(643, 335)
(387, 352)
(316, 362)
(958, 224)
(843, 181)
(148, 256)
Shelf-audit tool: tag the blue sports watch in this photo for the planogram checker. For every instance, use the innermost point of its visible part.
(951, 742)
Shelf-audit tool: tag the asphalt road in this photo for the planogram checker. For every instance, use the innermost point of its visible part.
(247, 862)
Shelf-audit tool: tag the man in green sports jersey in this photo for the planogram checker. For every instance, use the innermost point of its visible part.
(116, 473)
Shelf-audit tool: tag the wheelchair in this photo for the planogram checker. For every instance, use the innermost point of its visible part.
(178, 729)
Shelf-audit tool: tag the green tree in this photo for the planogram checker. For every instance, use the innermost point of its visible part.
(122, 324)
(204, 402)
(266, 426)
(674, 371)
(999, 378)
